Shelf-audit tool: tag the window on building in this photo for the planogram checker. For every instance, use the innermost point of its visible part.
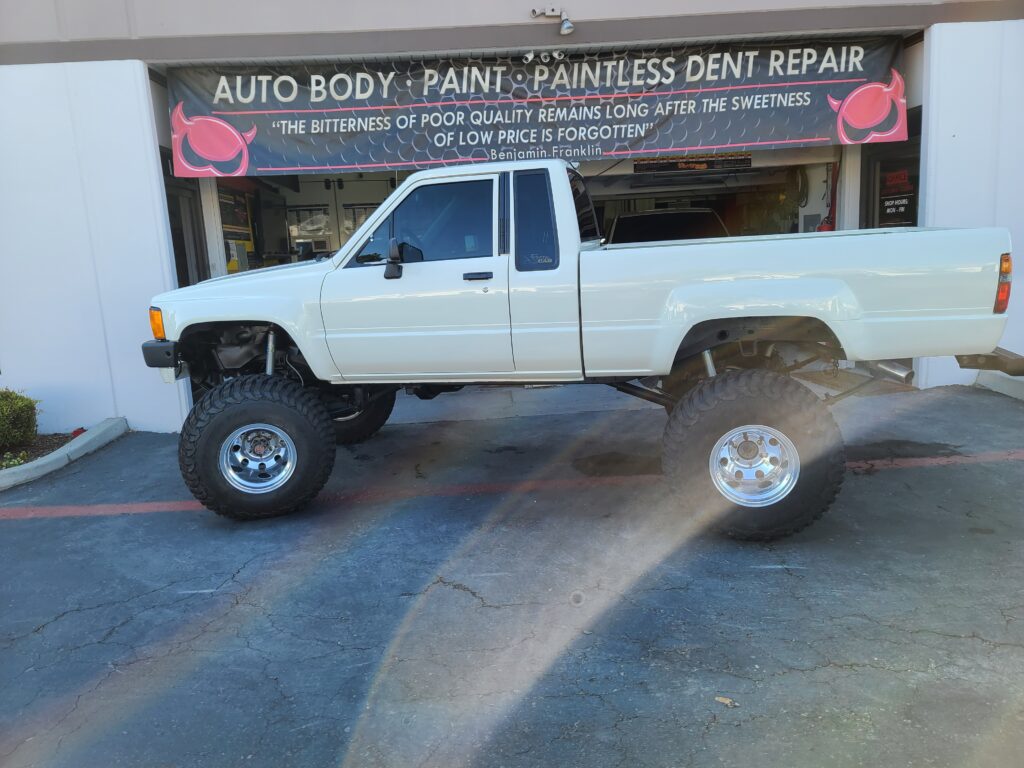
(309, 229)
(356, 215)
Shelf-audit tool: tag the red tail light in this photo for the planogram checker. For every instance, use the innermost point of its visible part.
(1003, 287)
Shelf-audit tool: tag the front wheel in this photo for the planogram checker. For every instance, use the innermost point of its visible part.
(256, 447)
(755, 452)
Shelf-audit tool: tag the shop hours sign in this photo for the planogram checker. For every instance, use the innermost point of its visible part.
(265, 120)
(897, 194)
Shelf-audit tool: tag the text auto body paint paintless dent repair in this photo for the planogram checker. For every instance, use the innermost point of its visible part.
(417, 114)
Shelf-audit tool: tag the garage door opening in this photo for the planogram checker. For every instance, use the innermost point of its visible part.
(729, 195)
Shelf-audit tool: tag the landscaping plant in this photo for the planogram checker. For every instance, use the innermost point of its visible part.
(13, 459)
(17, 420)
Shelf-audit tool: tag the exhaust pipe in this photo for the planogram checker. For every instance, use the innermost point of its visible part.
(892, 370)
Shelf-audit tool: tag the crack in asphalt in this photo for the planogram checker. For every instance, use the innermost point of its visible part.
(458, 586)
(115, 667)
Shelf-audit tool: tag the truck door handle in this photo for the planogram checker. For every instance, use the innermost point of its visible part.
(477, 275)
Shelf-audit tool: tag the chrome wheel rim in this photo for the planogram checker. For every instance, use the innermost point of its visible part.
(754, 465)
(257, 458)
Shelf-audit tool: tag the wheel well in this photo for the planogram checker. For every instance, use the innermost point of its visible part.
(214, 349)
(715, 333)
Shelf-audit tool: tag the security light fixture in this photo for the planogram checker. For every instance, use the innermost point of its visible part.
(566, 28)
(528, 57)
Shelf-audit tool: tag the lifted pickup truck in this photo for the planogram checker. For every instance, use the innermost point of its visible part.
(496, 273)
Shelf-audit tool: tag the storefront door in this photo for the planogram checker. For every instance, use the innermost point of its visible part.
(186, 234)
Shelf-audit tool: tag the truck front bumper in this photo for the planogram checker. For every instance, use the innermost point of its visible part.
(160, 354)
(163, 355)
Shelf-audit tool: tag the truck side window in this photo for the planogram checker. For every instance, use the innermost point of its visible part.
(377, 244)
(536, 237)
(452, 220)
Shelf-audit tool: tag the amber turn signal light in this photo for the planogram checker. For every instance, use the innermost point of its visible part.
(1003, 286)
(156, 322)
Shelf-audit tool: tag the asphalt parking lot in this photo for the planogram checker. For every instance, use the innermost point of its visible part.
(515, 591)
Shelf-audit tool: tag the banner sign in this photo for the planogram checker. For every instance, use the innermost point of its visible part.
(320, 118)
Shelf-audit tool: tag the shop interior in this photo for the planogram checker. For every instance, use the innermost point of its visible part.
(723, 195)
(272, 220)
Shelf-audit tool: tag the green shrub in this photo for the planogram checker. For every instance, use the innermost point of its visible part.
(17, 419)
(8, 460)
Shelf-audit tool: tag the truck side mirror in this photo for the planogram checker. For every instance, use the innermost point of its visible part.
(393, 269)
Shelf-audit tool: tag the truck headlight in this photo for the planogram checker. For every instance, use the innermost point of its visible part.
(156, 323)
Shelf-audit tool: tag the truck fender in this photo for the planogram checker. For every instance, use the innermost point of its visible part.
(825, 299)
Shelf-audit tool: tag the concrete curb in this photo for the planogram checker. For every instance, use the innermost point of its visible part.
(89, 441)
(1000, 382)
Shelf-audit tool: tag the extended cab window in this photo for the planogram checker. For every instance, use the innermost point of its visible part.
(453, 220)
(536, 238)
(585, 216)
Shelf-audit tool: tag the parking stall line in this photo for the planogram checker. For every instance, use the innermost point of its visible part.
(389, 493)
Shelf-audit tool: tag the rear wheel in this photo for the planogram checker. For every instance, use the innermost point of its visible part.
(365, 422)
(755, 452)
(730, 358)
(256, 447)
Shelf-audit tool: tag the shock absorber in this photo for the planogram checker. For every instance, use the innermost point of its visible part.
(271, 349)
(709, 363)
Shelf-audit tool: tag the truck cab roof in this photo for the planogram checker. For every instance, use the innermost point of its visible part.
(500, 166)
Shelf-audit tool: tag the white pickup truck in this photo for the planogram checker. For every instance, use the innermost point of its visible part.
(497, 273)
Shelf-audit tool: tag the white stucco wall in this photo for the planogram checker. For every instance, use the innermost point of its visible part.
(68, 20)
(84, 243)
(971, 161)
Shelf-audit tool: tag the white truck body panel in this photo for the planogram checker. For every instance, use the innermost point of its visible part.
(431, 322)
(607, 311)
(545, 305)
(885, 293)
(287, 296)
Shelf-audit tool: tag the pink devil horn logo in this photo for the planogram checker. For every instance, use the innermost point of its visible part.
(873, 112)
(208, 146)
(179, 123)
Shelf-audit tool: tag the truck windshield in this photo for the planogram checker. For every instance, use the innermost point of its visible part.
(585, 216)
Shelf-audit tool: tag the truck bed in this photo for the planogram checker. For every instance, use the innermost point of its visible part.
(886, 293)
